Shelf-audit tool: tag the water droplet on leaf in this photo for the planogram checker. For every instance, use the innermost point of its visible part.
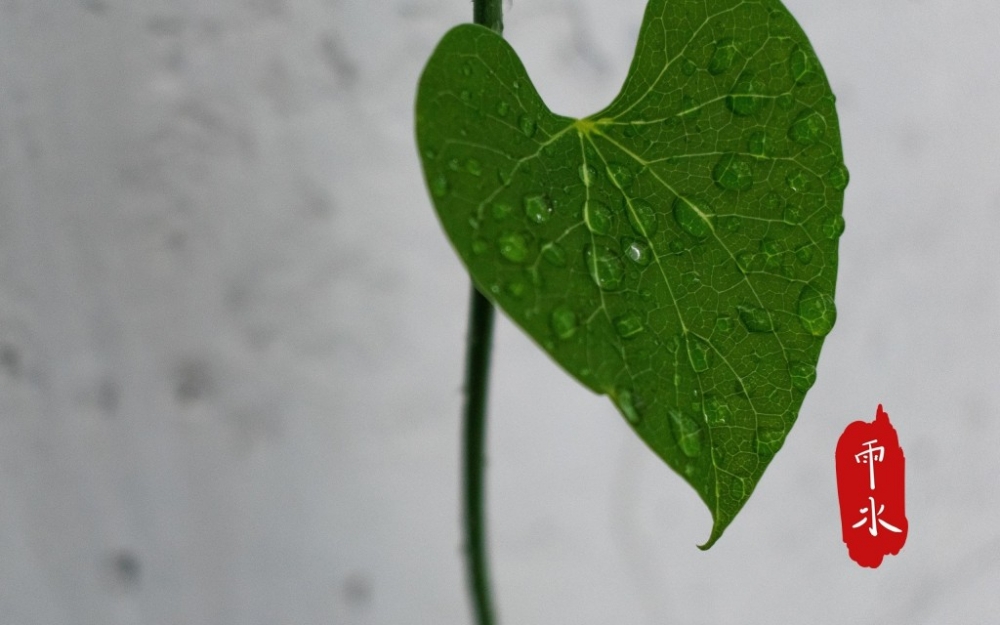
(792, 215)
(733, 173)
(620, 175)
(500, 210)
(538, 208)
(629, 404)
(808, 128)
(605, 267)
(755, 319)
(796, 180)
(642, 217)
(554, 254)
(439, 186)
(758, 143)
(804, 254)
(637, 252)
(833, 226)
(687, 432)
(502, 108)
(817, 311)
(746, 97)
(628, 325)
(563, 322)
(801, 66)
(527, 125)
(838, 177)
(597, 216)
(803, 375)
(699, 353)
(723, 56)
(690, 218)
(513, 247)
(587, 174)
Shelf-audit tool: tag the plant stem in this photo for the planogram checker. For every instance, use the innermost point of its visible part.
(477, 366)
(489, 13)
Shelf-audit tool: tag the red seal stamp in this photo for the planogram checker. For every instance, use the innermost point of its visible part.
(871, 480)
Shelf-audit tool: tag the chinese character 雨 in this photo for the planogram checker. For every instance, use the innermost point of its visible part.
(870, 456)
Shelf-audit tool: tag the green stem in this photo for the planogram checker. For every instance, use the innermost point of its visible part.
(477, 367)
(489, 13)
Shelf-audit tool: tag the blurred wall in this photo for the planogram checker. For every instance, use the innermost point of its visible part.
(231, 333)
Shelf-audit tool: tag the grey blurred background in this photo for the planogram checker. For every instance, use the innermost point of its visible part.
(231, 333)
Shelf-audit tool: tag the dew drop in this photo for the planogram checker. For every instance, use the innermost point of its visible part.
(466, 69)
(563, 322)
(688, 67)
(725, 324)
(587, 174)
(699, 353)
(642, 217)
(513, 247)
(817, 312)
(769, 438)
(479, 246)
(801, 66)
(538, 208)
(833, 226)
(597, 216)
(746, 97)
(554, 254)
(690, 109)
(733, 173)
(620, 175)
(629, 403)
(687, 432)
(716, 412)
(723, 56)
(804, 254)
(792, 215)
(808, 128)
(504, 177)
(517, 289)
(474, 167)
(755, 319)
(637, 252)
(785, 101)
(628, 325)
(502, 108)
(466, 95)
(744, 260)
(605, 267)
(439, 186)
(773, 203)
(527, 125)
(758, 143)
(690, 218)
(500, 210)
(733, 223)
(796, 180)
(838, 177)
(803, 375)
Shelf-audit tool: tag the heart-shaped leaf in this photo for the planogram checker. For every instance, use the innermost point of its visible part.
(676, 251)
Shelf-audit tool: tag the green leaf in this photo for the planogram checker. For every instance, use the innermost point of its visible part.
(676, 251)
